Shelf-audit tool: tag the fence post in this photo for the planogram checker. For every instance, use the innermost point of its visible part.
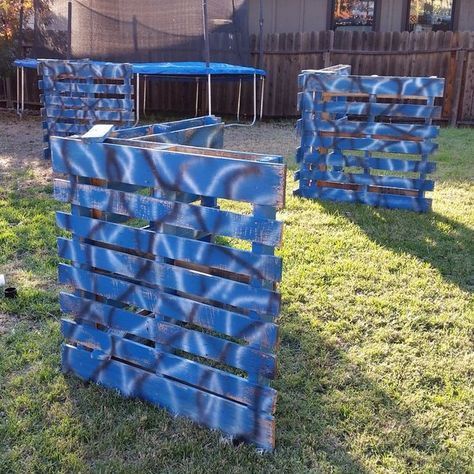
(8, 92)
(327, 54)
(459, 75)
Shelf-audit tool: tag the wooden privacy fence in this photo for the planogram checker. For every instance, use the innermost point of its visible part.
(337, 161)
(443, 54)
(448, 55)
(161, 309)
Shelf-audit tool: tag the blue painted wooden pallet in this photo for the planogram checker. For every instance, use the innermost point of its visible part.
(79, 94)
(161, 309)
(353, 126)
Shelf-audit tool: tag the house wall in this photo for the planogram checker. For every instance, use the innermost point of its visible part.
(285, 16)
(391, 15)
(465, 15)
(281, 16)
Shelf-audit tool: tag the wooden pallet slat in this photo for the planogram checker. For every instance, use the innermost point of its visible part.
(396, 130)
(203, 407)
(210, 287)
(190, 372)
(210, 317)
(245, 180)
(307, 104)
(187, 216)
(373, 162)
(174, 247)
(378, 85)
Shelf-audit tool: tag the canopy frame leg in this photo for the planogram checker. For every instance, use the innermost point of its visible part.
(22, 90)
(145, 89)
(209, 92)
(196, 105)
(137, 99)
(239, 99)
(18, 91)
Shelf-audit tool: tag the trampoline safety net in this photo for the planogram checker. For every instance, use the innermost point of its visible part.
(150, 30)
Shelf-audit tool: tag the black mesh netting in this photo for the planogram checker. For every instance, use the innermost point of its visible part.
(148, 30)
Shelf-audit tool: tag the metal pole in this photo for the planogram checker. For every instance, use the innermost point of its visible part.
(22, 90)
(262, 79)
(144, 95)
(238, 101)
(205, 26)
(69, 30)
(197, 98)
(254, 99)
(20, 32)
(252, 123)
(35, 28)
(17, 90)
(207, 53)
(137, 99)
(260, 34)
(209, 91)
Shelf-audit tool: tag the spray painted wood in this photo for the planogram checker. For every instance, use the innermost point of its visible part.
(79, 94)
(165, 306)
(353, 127)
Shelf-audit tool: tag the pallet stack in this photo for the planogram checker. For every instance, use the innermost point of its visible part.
(79, 94)
(166, 306)
(361, 141)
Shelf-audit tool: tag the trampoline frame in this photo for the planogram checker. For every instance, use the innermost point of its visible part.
(20, 93)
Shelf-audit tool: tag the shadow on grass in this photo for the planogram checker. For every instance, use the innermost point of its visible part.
(444, 243)
(327, 410)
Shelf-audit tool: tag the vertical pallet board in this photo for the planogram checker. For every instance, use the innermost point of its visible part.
(175, 298)
(361, 142)
(76, 95)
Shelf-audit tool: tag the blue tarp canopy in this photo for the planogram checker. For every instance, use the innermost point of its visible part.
(174, 69)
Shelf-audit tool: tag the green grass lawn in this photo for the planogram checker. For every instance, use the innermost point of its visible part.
(376, 362)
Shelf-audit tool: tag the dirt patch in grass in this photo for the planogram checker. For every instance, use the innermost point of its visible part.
(21, 150)
(7, 323)
(277, 138)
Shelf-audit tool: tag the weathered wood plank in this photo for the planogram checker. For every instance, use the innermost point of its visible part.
(402, 131)
(202, 407)
(83, 88)
(188, 216)
(391, 201)
(378, 85)
(359, 178)
(366, 108)
(211, 379)
(228, 178)
(359, 161)
(208, 287)
(309, 139)
(169, 305)
(170, 246)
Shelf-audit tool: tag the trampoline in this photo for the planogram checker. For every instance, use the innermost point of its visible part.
(172, 70)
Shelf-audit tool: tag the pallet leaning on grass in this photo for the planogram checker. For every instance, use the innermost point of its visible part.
(79, 94)
(165, 307)
(338, 155)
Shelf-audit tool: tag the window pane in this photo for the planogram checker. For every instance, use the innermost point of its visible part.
(354, 14)
(430, 15)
